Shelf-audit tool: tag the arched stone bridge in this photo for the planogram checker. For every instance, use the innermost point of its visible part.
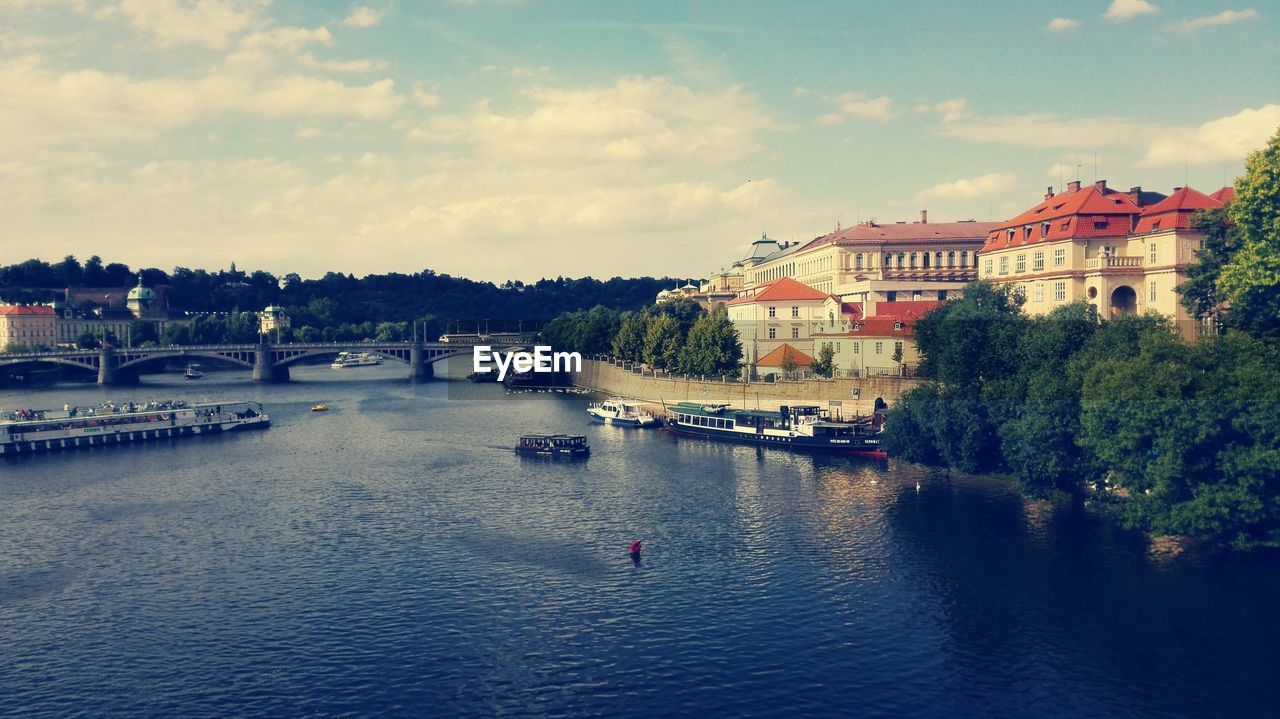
(270, 363)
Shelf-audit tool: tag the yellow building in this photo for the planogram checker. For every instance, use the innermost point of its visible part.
(870, 262)
(1120, 251)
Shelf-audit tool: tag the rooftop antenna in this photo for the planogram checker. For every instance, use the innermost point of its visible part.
(1079, 167)
(1061, 184)
(1095, 166)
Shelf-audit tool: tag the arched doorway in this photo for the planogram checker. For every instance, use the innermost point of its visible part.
(1124, 300)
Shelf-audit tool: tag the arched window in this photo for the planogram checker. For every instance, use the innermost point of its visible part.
(926, 260)
(964, 258)
(857, 261)
(888, 260)
(937, 259)
(902, 260)
(951, 259)
(913, 260)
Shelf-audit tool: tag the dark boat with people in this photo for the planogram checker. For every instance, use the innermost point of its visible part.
(801, 427)
(569, 446)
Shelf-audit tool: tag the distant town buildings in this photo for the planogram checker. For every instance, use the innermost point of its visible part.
(1122, 252)
(273, 318)
(27, 326)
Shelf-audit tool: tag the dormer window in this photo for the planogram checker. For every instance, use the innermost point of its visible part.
(1026, 232)
(1044, 229)
(1099, 222)
(1010, 235)
(897, 326)
(857, 326)
(1155, 226)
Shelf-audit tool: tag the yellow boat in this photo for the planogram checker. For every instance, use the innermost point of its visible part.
(320, 408)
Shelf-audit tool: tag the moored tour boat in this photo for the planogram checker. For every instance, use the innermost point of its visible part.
(27, 431)
(322, 407)
(621, 411)
(553, 445)
(192, 372)
(804, 427)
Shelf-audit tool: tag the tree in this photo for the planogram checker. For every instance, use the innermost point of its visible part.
(712, 346)
(824, 365)
(1200, 294)
(662, 342)
(628, 343)
(1250, 280)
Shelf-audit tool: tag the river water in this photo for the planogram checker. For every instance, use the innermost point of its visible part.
(393, 557)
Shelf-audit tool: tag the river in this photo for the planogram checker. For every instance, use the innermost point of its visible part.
(393, 557)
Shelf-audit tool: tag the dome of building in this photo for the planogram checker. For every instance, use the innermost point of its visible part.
(140, 292)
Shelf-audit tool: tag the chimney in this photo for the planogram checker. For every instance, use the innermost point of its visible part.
(1101, 185)
(1048, 193)
(924, 217)
(1073, 186)
(1135, 194)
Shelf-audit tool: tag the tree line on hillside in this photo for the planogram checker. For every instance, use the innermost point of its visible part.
(1183, 437)
(676, 335)
(338, 306)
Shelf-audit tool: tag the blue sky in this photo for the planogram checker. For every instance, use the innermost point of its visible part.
(517, 138)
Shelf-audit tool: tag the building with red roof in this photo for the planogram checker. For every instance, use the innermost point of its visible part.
(775, 313)
(871, 262)
(878, 345)
(1120, 251)
(27, 327)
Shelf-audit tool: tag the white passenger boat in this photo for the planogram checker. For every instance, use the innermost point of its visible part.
(621, 411)
(356, 359)
(26, 431)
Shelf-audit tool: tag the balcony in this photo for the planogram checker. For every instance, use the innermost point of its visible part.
(1099, 263)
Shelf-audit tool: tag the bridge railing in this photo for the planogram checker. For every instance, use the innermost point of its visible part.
(357, 344)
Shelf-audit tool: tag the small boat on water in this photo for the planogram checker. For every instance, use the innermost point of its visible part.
(29, 430)
(569, 446)
(192, 372)
(322, 407)
(623, 412)
(802, 427)
(356, 359)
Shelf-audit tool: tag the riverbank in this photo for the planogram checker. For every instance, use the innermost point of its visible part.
(855, 395)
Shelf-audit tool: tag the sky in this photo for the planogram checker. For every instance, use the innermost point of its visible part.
(519, 139)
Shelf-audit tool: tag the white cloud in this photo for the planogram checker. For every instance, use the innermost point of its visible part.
(1226, 17)
(422, 98)
(957, 108)
(1227, 139)
(1062, 24)
(309, 61)
(363, 17)
(968, 188)
(1125, 9)
(211, 23)
(857, 104)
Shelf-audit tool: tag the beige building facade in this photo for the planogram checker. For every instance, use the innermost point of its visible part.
(1122, 252)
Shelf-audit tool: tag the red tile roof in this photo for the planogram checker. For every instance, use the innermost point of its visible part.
(774, 358)
(904, 310)
(780, 290)
(868, 233)
(1224, 195)
(1175, 211)
(26, 310)
(1092, 211)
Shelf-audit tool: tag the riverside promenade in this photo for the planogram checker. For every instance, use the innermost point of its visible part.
(856, 395)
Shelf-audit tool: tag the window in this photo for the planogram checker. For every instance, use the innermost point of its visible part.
(913, 260)
(1037, 261)
(986, 267)
(795, 313)
(902, 260)
(1060, 257)
(926, 259)
(1037, 292)
(888, 260)
(857, 348)
(1059, 291)
(1020, 265)
(951, 259)
(857, 261)
(1153, 254)
(1151, 288)
(916, 295)
(1004, 265)
(891, 296)
(1010, 237)
(964, 259)
(897, 349)
(1044, 229)
(795, 333)
(773, 333)
(937, 260)
(773, 312)
(942, 295)
(879, 348)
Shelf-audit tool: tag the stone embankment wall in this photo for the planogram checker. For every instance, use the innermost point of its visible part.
(612, 379)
